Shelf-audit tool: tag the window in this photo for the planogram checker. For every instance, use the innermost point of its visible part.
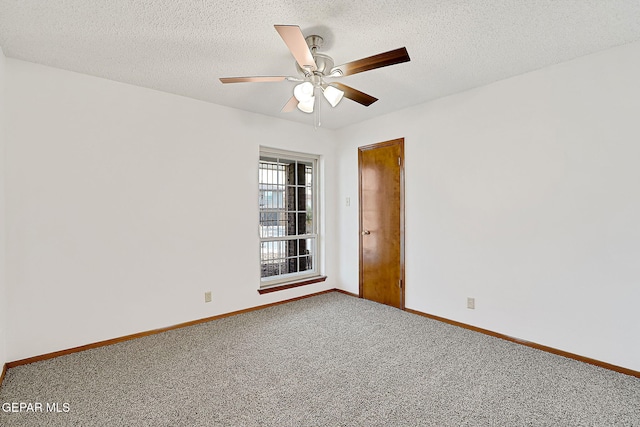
(288, 217)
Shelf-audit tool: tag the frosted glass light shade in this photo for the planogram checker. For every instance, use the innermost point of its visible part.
(303, 92)
(307, 106)
(333, 95)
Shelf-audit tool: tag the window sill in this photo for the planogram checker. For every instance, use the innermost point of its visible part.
(292, 285)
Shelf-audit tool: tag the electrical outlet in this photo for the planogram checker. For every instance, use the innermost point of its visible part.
(207, 296)
(471, 303)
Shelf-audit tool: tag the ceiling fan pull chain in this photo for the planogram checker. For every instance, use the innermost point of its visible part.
(316, 110)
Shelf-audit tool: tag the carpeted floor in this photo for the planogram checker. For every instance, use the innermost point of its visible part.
(329, 360)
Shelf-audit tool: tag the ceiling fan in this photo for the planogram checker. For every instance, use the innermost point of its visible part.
(314, 70)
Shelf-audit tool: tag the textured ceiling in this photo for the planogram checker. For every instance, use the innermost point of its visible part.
(184, 46)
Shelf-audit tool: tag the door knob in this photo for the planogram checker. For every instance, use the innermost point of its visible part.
(365, 232)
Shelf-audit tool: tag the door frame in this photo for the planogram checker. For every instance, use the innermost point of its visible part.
(400, 142)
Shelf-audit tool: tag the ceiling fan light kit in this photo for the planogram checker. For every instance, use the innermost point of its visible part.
(306, 106)
(332, 94)
(314, 67)
(303, 91)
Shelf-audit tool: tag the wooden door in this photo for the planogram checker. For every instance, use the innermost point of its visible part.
(381, 176)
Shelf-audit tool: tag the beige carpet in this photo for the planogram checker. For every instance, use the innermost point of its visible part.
(330, 360)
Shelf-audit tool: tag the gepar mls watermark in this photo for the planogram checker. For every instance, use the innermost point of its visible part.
(36, 407)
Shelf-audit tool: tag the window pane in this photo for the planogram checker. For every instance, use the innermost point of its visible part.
(306, 263)
(287, 256)
(272, 256)
(309, 210)
(292, 265)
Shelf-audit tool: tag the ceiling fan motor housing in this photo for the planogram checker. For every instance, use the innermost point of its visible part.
(324, 62)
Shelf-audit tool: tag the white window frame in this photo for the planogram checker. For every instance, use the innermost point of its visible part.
(283, 279)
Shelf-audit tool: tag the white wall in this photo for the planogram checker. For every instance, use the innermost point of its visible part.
(524, 194)
(124, 205)
(3, 291)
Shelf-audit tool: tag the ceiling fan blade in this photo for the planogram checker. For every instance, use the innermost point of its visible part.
(355, 94)
(291, 105)
(380, 60)
(252, 79)
(292, 36)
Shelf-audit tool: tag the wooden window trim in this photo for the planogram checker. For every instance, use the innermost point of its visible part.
(290, 285)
